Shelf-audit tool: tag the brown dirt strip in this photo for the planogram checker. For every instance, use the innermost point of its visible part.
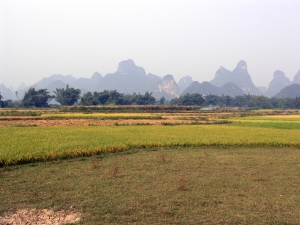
(39, 217)
(87, 122)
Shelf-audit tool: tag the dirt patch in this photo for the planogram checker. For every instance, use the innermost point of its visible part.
(85, 122)
(39, 217)
(175, 119)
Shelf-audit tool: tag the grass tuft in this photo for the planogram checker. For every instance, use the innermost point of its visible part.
(95, 162)
(182, 185)
(163, 157)
(115, 171)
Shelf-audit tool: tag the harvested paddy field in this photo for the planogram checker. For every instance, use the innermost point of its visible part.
(38, 122)
(111, 119)
(80, 122)
(163, 186)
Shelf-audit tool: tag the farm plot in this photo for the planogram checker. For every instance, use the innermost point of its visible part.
(275, 121)
(102, 116)
(111, 119)
(244, 172)
(162, 186)
(29, 144)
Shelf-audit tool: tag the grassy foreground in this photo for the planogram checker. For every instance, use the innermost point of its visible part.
(164, 186)
(30, 144)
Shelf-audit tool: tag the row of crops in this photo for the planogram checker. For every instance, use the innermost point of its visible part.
(29, 144)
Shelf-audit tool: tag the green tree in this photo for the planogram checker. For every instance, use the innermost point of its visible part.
(39, 98)
(212, 100)
(297, 102)
(147, 99)
(115, 98)
(68, 96)
(162, 101)
(89, 99)
(188, 99)
(242, 100)
(0, 100)
(260, 102)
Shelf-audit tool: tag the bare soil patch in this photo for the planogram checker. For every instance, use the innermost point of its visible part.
(86, 122)
(167, 119)
(39, 217)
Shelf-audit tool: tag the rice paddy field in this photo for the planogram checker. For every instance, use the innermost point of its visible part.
(183, 167)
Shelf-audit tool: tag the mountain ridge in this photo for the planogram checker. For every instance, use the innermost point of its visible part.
(130, 78)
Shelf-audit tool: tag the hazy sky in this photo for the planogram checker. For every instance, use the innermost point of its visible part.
(184, 37)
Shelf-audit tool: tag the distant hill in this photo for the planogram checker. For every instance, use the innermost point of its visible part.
(262, 89)
(242, 78)
(222, 76)
(279, 82)
(184, 82)
(11, 89)
(81, 83)
(239, 76)
(291, 91)
(96, 78)
(68, 79)
(297, 78)
(128, 78)
(49, 83)
(21, 86)
(56, 84)
(206, 88)
(167, 88)
(231, 89)
(6, 93)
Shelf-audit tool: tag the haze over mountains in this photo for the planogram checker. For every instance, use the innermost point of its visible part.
(130, 78)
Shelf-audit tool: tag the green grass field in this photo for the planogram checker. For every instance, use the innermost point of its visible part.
(277, 122)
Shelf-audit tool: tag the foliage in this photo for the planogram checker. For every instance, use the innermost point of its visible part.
(39, 98)
(6, 104)
(1, 102)
(68, 96)
(115, 98)
(162, 101)
(188, 99)
(249, 101)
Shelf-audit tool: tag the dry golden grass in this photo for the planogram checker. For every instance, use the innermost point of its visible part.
(30, 144)
(164, 186)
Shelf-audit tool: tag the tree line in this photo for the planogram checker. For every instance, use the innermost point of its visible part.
(116, 98)
(70, 96)
(248, 101)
